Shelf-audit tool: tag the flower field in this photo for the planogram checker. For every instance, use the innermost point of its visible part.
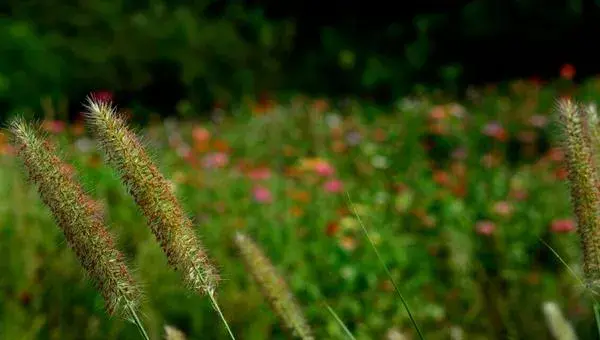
(463, 199)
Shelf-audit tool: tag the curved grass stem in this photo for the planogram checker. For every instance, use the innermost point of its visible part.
(387, 271)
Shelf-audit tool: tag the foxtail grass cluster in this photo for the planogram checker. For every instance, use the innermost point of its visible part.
(273, 286)
(155, 197)
(583, 178)
(80, 219)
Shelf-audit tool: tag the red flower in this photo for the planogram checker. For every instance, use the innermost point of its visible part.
(332, 228)
(562, 226)
(102, 96)
(567, 71)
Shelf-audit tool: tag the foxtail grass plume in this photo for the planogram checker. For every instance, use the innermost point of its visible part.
(583, 179)
(80, 219)
(558, 325)
(172, 333)
(273, 287)
(154, 195)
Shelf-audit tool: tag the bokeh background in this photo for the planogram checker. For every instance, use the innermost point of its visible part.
(435, 118)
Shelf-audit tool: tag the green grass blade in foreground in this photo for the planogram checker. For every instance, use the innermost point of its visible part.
(340, 322)
(596, 305)
(387, 271)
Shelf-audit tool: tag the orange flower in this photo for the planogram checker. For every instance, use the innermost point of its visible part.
(441, 177)
(221, 146)
(296, 211)
(567, 71)
(320, 105)
(300, 196)
(332, 228)
(338, 146)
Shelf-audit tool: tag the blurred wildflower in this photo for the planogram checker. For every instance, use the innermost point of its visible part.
(485, 228)
(332, 228)
(259, 174)
(338, 146)
(353, 138)
(333, 120)
(300, 196)
(404, 201)
(395, 334)
(379, 162)
(200, 134)
(527, 136)
(296, 211)
(441, 177)
(349, 223)
(491, 159)
(379, 135)
(84, 145)
(318, 165)
(538, 121)
(567, 71)
(78, 129)
(496, 131)
(221, 145)
(102, 96)
(324, 169)
(262, 194)
(503, 208)
(459, 154)
(348, 273)
(562, 226)
(333, 186)
(215, 160)
(320, 105)
(348, 243)
(54, 126)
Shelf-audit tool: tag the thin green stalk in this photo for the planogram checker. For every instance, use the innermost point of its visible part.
(340, 322)
(136, 320)
(597, 314)
(387, 271)
(213, 302)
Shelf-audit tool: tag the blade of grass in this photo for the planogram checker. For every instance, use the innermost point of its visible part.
(340, 322)
(387, 271)
(595, 303)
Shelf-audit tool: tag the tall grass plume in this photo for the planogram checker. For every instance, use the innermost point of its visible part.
(583, 179)
(80, 219)
(273, 287)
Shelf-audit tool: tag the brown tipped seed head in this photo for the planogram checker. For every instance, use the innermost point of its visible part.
(155, 197)
(273, 287)
(78, 217)
(583, 180)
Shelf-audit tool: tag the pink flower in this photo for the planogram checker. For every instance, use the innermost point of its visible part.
(324, 169)
(200, 134)
(485, 228)
(260, 174)
(495, 130)
(333, 186)
(262, 194)
(102, 96)
(54, 126)
(215, 160)
(503, 208)
(562, 226)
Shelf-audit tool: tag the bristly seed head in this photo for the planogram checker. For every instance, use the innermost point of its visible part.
(273, 286)
(583, 179)
(79, 218)
(153, 194)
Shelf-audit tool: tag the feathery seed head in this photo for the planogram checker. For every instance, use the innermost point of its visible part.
(583, 179)
(153, 194)
(273, 287)
(78, 217)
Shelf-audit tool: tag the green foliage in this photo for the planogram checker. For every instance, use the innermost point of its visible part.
(56, 48)
(457, 219)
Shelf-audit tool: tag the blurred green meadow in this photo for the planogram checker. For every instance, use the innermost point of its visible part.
(458, 196)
